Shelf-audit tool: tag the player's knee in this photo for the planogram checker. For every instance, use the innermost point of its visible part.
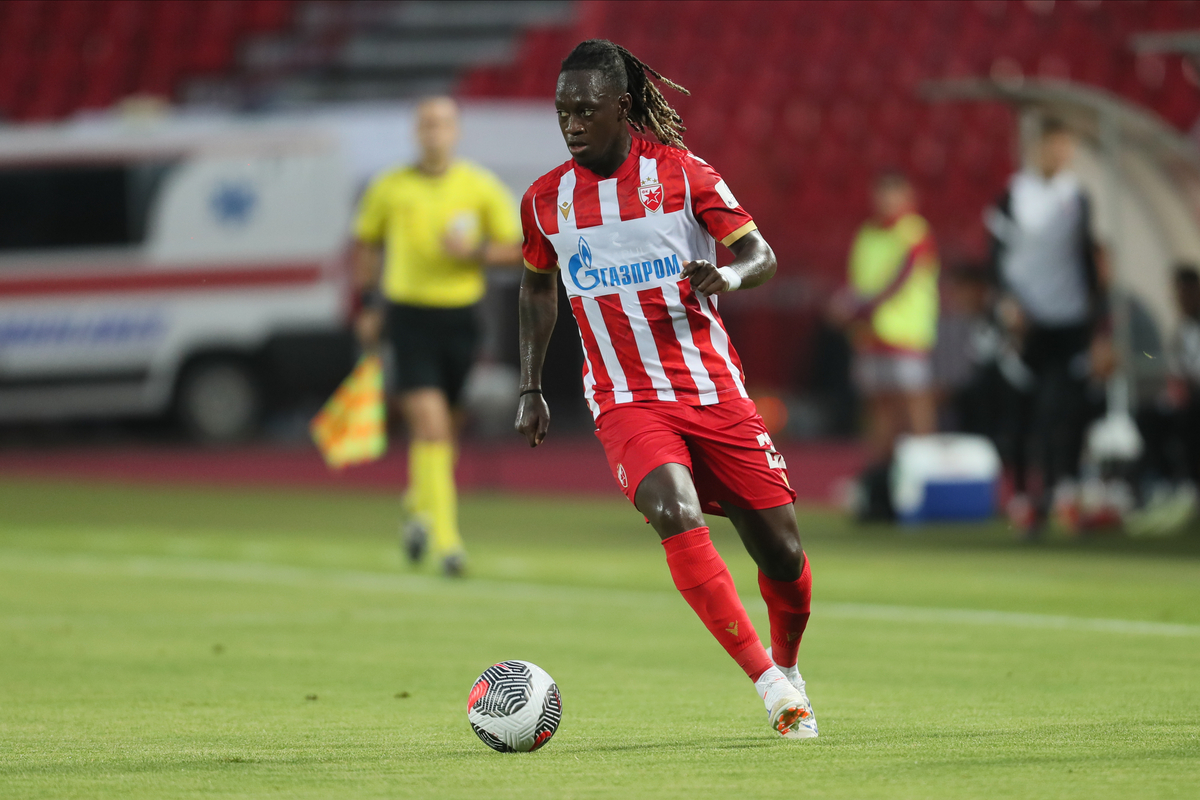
(785, 559)
(792, 555)
(429, 431)
(428, 416)
(675, 516)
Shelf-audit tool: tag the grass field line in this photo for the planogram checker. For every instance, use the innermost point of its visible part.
(260, 573)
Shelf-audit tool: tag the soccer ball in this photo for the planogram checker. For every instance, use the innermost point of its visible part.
(514, 707)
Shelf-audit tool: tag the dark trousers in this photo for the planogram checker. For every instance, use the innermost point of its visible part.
(1049, 416)
(1172, 438)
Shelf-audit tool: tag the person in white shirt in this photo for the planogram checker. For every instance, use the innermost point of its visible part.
(1052, 279)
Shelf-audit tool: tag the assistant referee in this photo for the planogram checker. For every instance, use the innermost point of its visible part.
(425, 233)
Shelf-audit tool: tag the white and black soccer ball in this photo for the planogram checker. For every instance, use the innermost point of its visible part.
(514, 707)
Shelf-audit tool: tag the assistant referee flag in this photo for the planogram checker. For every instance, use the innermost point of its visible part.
(351, 427)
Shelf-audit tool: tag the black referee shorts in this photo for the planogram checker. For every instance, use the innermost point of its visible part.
(432, 347)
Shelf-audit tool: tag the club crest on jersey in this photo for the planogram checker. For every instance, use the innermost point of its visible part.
(651, 195)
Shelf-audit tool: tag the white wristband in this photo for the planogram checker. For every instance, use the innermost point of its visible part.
(732, 279)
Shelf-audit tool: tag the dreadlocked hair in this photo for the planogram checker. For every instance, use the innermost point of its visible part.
(650, 109)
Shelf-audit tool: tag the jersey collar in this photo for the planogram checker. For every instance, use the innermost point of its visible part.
(630, 163)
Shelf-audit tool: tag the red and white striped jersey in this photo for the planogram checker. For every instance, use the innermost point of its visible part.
(621, 242)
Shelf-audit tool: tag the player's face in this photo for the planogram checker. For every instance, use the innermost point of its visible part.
(892, 200)
(437, 128)
(1056, 152)
(591, 116)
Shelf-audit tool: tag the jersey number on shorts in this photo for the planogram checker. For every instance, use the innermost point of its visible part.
(774, 459)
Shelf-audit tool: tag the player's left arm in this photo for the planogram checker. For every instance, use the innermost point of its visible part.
(370, 231)
(715, 207)
(495, 254)
(753, 265)
(501, 242)
(502, 230)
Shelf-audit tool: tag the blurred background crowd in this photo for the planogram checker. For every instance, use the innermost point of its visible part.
(986, 215)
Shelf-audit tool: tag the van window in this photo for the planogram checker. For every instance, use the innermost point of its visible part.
(59, 207)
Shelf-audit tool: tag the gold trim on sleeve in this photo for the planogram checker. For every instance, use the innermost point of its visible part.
(546, 271)
(739, 233)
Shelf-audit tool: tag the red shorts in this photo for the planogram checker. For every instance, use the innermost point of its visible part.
(726, 446)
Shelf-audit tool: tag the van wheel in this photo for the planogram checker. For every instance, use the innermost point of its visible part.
(219, 401)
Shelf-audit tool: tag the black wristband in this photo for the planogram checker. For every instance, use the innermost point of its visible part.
(531, 391)
(370, 298)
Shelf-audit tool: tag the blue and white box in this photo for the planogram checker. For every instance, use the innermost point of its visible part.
(945, 477)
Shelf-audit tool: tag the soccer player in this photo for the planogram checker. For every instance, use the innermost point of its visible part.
(631, 225)
(439, 222)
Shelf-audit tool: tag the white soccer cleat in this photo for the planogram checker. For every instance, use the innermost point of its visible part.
(792, 672)
(788, 709)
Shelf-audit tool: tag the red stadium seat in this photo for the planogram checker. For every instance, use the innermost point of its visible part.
(267, 15)
(799, 103)
(17, 67)
(216, 26)
(58, 56)
(20, 22)
(69, 20)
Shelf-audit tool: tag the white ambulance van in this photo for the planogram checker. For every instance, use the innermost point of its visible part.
(155, 267)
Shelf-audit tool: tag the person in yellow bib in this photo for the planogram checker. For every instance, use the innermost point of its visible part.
(891, 310)
(425, 233)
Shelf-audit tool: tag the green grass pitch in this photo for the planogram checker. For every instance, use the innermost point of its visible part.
(160, 643)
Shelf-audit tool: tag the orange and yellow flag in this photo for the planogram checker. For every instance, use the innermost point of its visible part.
(351, 427)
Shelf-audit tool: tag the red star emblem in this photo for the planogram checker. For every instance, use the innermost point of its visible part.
(651, 195)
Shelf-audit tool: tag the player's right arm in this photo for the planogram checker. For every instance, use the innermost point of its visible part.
(370, 230)
(538, 311)
(368, 321)
(368, 265)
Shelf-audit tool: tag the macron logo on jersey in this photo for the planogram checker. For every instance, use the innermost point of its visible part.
(587, 278)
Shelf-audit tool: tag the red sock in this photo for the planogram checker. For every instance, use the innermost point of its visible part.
(788, 605)
(706, 585)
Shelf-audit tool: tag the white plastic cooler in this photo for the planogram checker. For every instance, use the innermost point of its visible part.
(945, 477)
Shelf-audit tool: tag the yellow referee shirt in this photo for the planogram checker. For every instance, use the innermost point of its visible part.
(907, 319)
(410, 214)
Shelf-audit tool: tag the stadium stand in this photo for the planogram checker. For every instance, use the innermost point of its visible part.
(825, 94)
(797, 104)
(60, 56)
(368, 50)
